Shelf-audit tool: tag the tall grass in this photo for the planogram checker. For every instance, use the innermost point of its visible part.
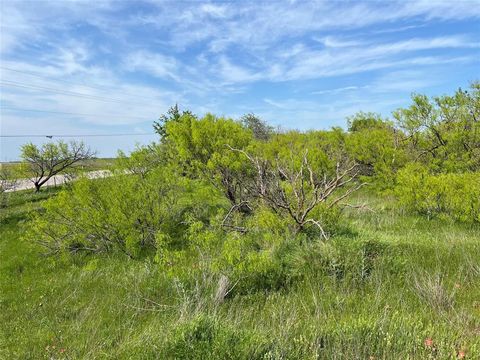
(397, 287)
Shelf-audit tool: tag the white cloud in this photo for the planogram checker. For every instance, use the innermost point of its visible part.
(338, 90)
(158, 65)
(14, 25)
(334, 42)
(405, 81)
(356, 59)
(276, 104)
(213, 10)
(96, 91)
(259, 25)
(231, 73)
(209, 52)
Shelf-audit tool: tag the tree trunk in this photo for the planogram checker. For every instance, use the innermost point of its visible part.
(37, 187)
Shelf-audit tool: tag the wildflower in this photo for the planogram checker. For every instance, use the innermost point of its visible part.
(428, 342)
(461, 354)
(62, 350)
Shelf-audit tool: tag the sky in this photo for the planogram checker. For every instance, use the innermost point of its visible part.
(113, 67)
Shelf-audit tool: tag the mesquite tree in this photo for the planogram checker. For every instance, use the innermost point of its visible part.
(198, 147)
(443, 133)
(52, 158)
(295, 187)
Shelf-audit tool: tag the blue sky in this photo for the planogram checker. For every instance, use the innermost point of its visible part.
(108, 67)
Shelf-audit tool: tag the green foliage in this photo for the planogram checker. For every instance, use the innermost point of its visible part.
(346, 259)
(8, 182)
(444, 133)
(400, 281)
(254, 263)
(455, 196)
(124, 213)
(200, 148)
(202, 143)
(331, 219)
(294, 174)
(324, 149)
(366, 121)
(205, 337)
(220, 199)
(173, 114)
(260, 129)
(142, 160)
(375, 144)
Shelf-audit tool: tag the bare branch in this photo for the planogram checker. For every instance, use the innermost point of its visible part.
(296, 190)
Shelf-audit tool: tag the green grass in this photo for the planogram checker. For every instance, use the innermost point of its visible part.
(398, 280)
(98, 164)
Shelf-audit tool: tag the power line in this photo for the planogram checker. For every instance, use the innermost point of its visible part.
(73, 83)
(73, 113)
(75, 135)
(61, 92)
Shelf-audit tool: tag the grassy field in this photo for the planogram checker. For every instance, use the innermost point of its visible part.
(397, 287)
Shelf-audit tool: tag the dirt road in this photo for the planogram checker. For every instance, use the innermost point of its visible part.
(25, 184)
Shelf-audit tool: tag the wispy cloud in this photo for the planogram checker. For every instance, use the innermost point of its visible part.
(231, 73)
(158, 65)
(272, 57)
(338, 90)
(276, 104)
(355, 59)
(213, 10)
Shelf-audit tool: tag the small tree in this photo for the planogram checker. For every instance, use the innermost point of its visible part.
(198, 147)
(260, 129)
(52, 158)
(295, 187)
(173, 114)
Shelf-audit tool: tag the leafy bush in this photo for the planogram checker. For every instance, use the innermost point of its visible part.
(343, 258)
(454, 196)
(443, 133)
(373, 143)
(125, 213)
(204, 337)
(199, 148)
(142, 160)
(271, 256)
(252, 261)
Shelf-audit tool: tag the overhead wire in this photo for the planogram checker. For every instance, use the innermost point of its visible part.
(59, 91)
(74, 83)
(73, 135)
(10, 83)
(73, 113)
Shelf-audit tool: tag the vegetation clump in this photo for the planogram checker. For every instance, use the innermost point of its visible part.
(231, 239)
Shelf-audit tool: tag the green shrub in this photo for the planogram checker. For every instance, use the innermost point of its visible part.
(454, 196)
(204, 337)
(250, 266)
(372, 142)
(125, 213)
(255, 261)
(342, 258)
(332, 221)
